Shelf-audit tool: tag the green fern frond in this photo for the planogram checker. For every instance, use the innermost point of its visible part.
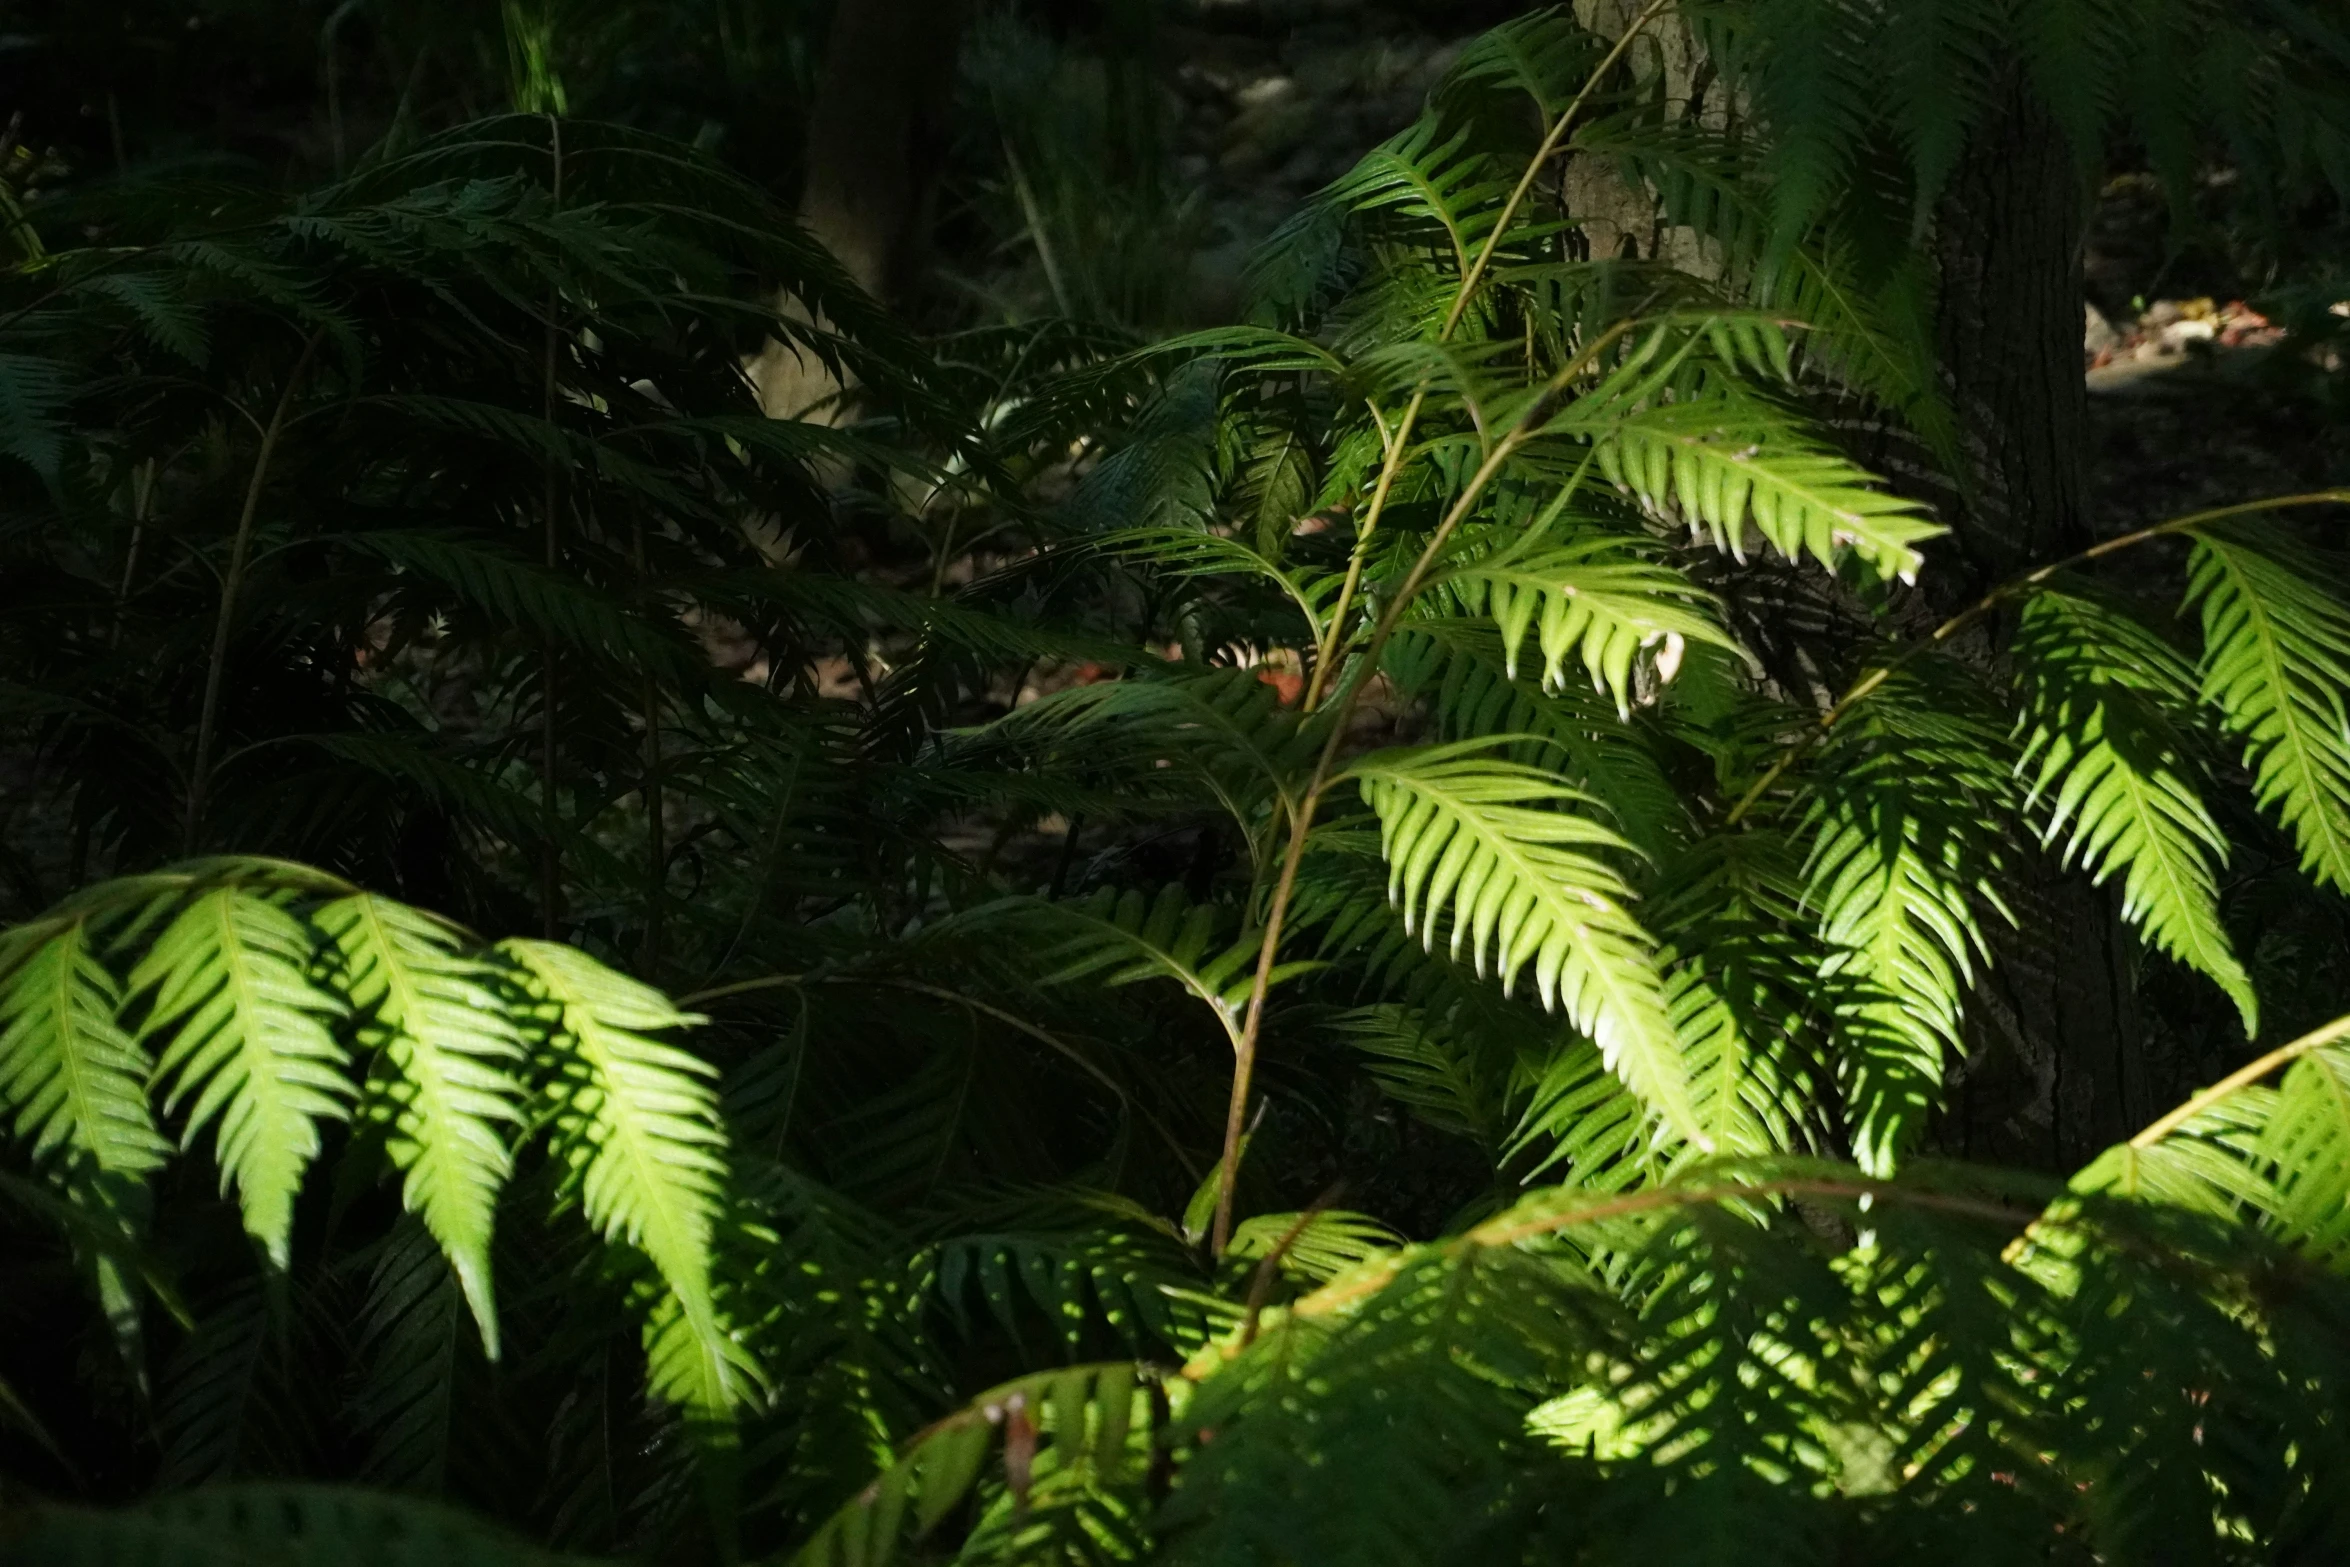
(1725, 466)
(1319, 1245)
(1091, 1424)
(1460, 668)
(1124, 938)
(1591, 599)
(1445, 1074)
(2276, 662)
(407, 1401)
(249, 1045)
(1125, 1277)
(73, 1081)
(443, 1085)
(1904, 843)
(2118, 790)
(1491, 843)
(2305, 1145)
(1428, 175)
(34, 393)
(636, 1124)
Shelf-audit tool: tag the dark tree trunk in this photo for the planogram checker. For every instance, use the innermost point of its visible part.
(876, 143)
(877, 134)
(2055, 1065)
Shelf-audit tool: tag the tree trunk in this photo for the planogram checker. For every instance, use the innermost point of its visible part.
(876, 141)
(2055, 1068)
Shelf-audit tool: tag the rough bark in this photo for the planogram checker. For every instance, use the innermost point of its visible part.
(876, 140)
(2055, 1068)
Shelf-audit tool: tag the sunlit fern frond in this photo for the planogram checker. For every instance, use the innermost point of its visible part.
(636, 1123)
(445, 1082)
(247, 1047)
(1904, 844)
(2119, 792)
(1495, 846)
(2276, 662)
(1590, 599)
(1725, 465)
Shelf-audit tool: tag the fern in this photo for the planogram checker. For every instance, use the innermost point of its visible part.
(444, 1086)
(1902, 849)
(2118, 792)
(1589, 600)
(1487, 843)
(249, 1046)
(636, 1123)
(74, 1079)
(2276, 658)
(1725, 466)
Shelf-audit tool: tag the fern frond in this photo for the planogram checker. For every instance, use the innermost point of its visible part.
(407, 1400)
(1903, 844)
(2276, 662)
(1591, 599)
(1725, 465)
(1124, 938)
(1091, 1423)
(73, 1081)
(249, 1046)
(636, 1123)
(1321, 1245)
(1491, 843)
(2118, 791)
(444, 1083)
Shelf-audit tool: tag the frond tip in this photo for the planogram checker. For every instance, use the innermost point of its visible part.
(1496, 845)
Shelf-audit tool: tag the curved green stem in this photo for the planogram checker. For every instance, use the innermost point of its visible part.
(2243, 1077)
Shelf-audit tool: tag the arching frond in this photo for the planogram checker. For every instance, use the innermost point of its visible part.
(2276, 661)
(1590, 599)
(636, 1123)
(1903, 846)
(72, 1078)
(444, 1084)
(2100, 751)
(247, 1045)
(1726, 464)
(1494, 844)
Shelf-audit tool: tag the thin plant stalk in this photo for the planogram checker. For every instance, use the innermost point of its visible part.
(240, 549)
(551, 853)
(1244, 1051)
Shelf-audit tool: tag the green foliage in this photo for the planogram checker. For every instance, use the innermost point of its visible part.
(262, 1002)
(1031, 879)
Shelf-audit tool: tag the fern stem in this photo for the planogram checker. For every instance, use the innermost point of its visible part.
(2243, 1076)
(2006, 593)
(550, 854)
(1244, 1047)
(1326, 655)
(208, 717)
(1542, 155)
